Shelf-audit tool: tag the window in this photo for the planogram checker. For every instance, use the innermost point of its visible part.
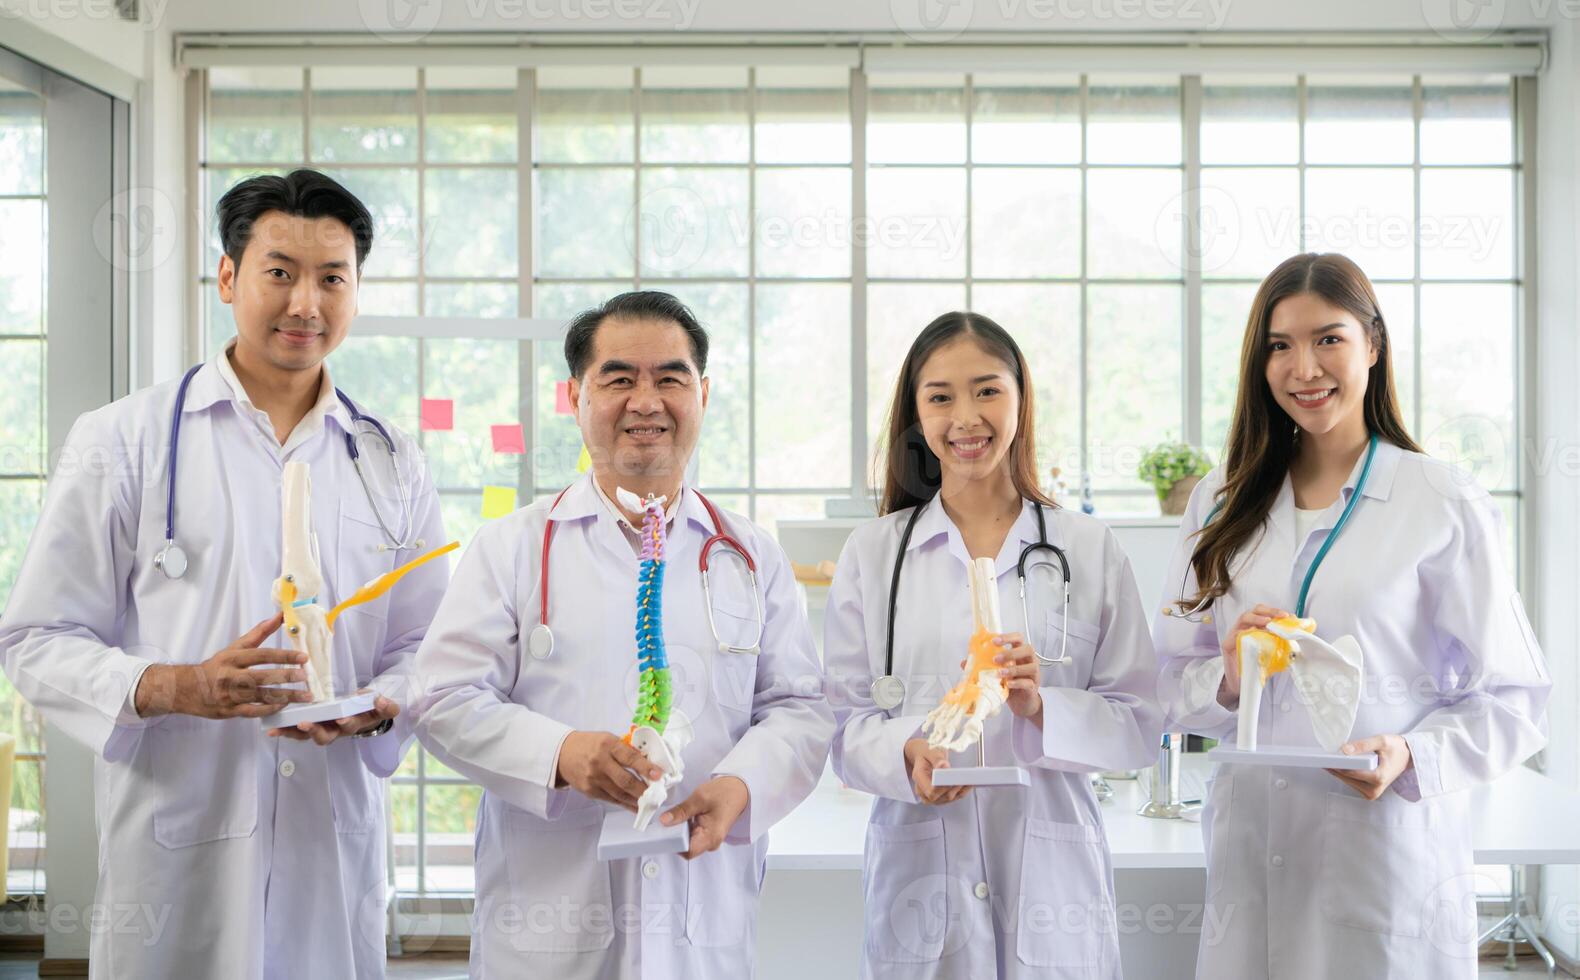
(22, 416)
(818, 218)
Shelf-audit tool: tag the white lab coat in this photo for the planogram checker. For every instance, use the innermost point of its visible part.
(1005, 881)
(546, 906)
(1308, 878)
(267, 854)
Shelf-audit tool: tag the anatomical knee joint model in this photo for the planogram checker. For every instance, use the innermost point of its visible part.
(957, 721)
(1327, 678)
(308, 625)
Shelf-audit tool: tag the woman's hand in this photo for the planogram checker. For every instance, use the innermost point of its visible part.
(1255, 619)
(1393, 758)
(921, 759)
(1020, 671)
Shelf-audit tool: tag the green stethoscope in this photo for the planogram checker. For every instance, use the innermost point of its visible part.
(1311, 573)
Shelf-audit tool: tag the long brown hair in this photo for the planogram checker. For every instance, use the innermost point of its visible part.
(1263, 439)
(913, 471)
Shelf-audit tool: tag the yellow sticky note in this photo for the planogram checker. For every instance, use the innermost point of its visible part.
(584, 461)
(498, 501)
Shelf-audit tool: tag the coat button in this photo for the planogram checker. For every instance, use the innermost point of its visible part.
(1278, 860)
(650, 870)
(1281, 783)
(981, 890)
(287, 768)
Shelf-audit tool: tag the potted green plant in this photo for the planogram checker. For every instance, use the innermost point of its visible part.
(1174, 469)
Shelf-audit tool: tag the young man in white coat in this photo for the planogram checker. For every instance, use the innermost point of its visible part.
(539, 725)
(142, 624)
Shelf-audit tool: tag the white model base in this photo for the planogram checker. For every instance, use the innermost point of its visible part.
(622, 840)
(981, 776)
(1298, 756)
(294, 714)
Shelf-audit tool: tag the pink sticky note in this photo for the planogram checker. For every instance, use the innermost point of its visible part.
(562, 398)
(438, 414)
(509, 439)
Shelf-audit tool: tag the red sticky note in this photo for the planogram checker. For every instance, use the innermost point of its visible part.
(509, 439)
(438, 414)
(562, 398)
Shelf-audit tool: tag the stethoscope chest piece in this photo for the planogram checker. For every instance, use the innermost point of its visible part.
(171, 560)
(888, 692)
(540, 642)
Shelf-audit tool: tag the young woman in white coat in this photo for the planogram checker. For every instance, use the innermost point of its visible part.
(1322, 873)
(1003, 881)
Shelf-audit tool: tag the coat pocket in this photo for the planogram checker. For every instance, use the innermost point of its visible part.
(1076, 642)
(355, 795)
(205, 779)
(1380, 863)
(1066, 913)
(556, 880)
(906, 892)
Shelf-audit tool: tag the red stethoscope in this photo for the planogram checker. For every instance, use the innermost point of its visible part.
(540, 642)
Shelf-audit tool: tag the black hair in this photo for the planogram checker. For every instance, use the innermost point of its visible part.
(643, 304)
(302, 193)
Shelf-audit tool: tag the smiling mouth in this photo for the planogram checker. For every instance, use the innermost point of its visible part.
(972, 448)
(646, 431)
(1313, 399)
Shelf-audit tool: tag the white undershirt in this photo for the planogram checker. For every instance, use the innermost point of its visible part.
(1305, 520)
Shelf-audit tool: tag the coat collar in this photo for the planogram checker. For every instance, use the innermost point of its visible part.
(216, 382)
(933, 524)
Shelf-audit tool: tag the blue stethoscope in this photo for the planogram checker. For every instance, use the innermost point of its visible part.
(172, 560)
(888, 691)
(1311, 573)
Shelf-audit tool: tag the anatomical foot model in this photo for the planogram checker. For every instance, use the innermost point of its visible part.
(657, 730)
(308, 625)
(957, 721)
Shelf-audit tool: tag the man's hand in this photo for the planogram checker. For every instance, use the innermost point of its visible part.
(921, 759)
(1393, 758)
(225, 685)
(1258, 618)
(324, 732)
(600, 766)
(712, 809)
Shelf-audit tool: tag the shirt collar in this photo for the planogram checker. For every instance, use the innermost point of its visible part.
(585, 498)
(328, 403)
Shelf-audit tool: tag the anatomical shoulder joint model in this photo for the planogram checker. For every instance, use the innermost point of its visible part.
(1327, 678)
(309, 626)
(658, 730)
(957, 721)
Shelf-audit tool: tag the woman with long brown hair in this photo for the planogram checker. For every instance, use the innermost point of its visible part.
(1326, 508)
(1012, 881)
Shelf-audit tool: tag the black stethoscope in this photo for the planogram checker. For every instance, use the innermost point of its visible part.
(172, 560)
(888, 691)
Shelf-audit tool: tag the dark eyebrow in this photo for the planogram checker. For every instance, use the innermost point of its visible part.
(976, 381)
(280, 256)
(1273, 335)
(675, 367)
(616, 367)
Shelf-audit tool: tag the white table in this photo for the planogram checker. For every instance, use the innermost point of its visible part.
(811, 920)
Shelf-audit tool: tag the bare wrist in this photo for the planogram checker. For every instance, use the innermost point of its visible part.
(156, 691)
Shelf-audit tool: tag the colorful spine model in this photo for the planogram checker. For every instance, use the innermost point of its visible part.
(658, 731)
(654, 695)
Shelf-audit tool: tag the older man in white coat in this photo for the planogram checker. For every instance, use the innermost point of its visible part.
(255, 857)
(537, 726)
